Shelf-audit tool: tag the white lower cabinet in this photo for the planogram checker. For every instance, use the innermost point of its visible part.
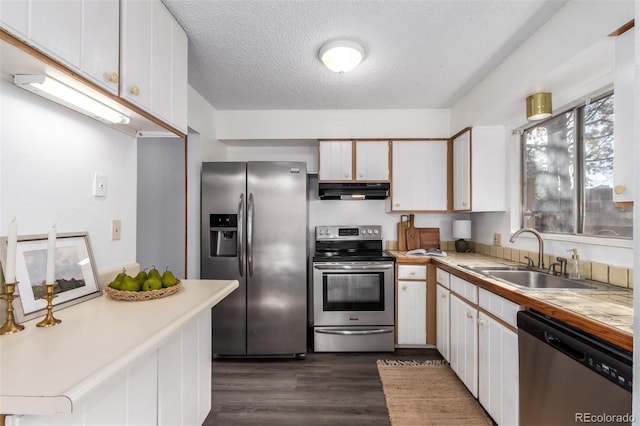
(412, 313)
(498, 370)
(464, 342)
(170, 386)
(443, 296)
(482, 331)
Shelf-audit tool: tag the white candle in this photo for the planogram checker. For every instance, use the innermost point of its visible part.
(51, 256)
(12, 243)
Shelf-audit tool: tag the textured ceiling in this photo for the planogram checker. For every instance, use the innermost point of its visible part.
(263, 54)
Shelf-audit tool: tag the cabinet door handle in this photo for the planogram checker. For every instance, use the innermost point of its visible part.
(619, 189)
(469, 315)
(412, 272)
(443, 295)
(113, 77)
(135, 90)
(404, 287)
(480, 322)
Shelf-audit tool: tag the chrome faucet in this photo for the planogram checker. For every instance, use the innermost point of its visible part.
(540, 243)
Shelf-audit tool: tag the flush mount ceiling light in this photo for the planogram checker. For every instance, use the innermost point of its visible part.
(65, 95)
(341, 56)
(539, 106)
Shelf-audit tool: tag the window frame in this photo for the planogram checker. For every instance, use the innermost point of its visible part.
(579, 176)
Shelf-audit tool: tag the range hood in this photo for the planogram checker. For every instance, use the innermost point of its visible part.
(353, 191)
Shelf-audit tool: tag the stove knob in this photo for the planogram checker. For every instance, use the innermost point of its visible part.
(376, 231)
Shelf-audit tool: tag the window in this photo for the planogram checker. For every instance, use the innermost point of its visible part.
(568, 174)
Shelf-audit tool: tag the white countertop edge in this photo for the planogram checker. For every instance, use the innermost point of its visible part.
(60, 404)
(38, 405)
(76, 393)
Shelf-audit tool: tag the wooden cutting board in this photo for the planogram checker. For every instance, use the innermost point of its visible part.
(402, 232)
(423, 238)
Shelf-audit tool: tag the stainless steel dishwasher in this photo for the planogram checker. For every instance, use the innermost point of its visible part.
(570, 377)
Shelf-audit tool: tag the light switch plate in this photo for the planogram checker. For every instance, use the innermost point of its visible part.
(116, 229)
(99, 185)
(497, 239)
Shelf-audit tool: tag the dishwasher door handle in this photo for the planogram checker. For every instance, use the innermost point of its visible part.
(566, 349)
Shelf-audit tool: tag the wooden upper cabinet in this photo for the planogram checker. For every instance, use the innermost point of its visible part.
(353, 160)
(82, 35)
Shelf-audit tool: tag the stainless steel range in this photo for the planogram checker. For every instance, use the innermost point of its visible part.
(353, 290)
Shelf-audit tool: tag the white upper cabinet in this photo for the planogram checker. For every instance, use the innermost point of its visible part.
(372, 160)
(462, 171)
(480, 169)
(135, 58)
(80, 34)
(623, 167)
(153, 61)
(335, 160)
(419, 175)
(339, 160)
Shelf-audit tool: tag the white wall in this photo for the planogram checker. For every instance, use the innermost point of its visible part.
(318, 124)
(49, 155)
(202, 120)
(572, 68)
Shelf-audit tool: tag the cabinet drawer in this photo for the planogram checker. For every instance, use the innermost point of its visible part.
(464, 288)
(442, 277)
(412, 272)
(500, 307)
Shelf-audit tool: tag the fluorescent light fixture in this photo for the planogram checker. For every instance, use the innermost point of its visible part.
(341, 56)
(539, 106)
(60, 93)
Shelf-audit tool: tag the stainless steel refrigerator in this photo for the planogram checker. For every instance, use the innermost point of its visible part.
(254, 230)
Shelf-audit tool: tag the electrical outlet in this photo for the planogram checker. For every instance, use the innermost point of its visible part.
(497, 239)
(116, 229)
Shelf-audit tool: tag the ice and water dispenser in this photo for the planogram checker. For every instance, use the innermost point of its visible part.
(223, 235)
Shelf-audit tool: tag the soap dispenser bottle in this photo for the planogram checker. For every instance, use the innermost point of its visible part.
(574, 266)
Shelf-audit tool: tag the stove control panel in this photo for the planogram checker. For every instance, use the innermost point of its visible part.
(353, 232)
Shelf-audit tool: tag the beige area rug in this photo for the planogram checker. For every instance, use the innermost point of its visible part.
(427, 393)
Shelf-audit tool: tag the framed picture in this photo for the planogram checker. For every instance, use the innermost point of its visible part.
(75, 273)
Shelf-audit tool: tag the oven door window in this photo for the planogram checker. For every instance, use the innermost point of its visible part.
(353, 291)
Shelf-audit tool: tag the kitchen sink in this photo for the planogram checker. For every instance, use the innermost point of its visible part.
(536, 280)
(524, 277)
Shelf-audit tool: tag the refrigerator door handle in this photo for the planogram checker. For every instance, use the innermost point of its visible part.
(240, 236)
(250, 208)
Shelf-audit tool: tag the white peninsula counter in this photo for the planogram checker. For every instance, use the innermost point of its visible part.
(115, 362)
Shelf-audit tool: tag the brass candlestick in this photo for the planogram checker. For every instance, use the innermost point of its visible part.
(9, 326)
(49, 320)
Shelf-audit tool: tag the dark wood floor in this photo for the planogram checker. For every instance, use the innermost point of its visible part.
(322, 389)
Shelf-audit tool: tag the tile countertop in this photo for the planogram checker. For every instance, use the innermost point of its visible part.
(606, 314)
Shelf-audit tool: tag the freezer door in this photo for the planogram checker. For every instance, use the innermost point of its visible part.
(223, 196)
(277, 258)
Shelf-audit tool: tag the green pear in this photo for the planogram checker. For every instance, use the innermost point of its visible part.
(152, 283)
(117, 282)
(154, 273)
(168, 279)
(141, 277)
(130, 284)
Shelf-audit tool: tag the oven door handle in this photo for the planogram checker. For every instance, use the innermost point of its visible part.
(348, 332)
(352, 267)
